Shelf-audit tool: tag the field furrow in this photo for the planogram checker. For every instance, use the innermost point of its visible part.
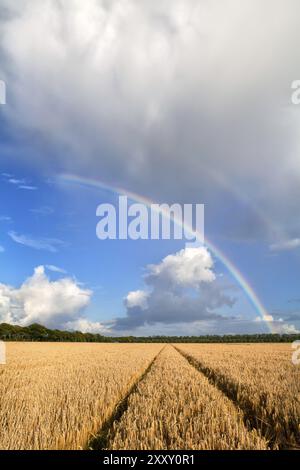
(55, 395)
(175, 407)
(101, 440)
(261, 380)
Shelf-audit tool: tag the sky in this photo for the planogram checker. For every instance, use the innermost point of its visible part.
(173, 102)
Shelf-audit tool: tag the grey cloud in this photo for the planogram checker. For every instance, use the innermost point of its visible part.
(172, 297)
(167, 308)
(190, 88)
(213, 326)
(289, 316)
(286, 245)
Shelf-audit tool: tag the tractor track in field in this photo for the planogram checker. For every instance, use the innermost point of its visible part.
(106, 434)
(226, 386)
(231, 390)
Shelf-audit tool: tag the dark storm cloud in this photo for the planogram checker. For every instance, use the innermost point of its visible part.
(122, 90)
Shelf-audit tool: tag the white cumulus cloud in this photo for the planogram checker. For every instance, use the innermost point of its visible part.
(187, 268)
(137, 298)
(86, 326)
(182, 288)
(41, 300)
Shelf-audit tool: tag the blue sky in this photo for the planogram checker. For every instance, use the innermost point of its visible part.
(103, 98)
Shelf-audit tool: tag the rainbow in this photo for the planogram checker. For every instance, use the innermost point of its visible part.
(234, 271)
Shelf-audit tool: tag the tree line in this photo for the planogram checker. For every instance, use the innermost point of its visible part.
(38, 332)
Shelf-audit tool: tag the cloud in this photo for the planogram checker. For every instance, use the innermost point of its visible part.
(207, 100)
(16, 181)
(2, 249)
(20, 183)
(278, 325)
(209, 326)
(182, 289)
(136, 298)
(267, 317)
(47, 244)
(38, 299)
(285, 245)
(187, 268)
(55, 269)
(87, 326)
(284, 328)
(5, 218)
(27, 187)
(183, 294)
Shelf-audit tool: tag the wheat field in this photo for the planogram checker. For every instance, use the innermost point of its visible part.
(183, 411)
(149, 396)
(261, 379)
(55, 395)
